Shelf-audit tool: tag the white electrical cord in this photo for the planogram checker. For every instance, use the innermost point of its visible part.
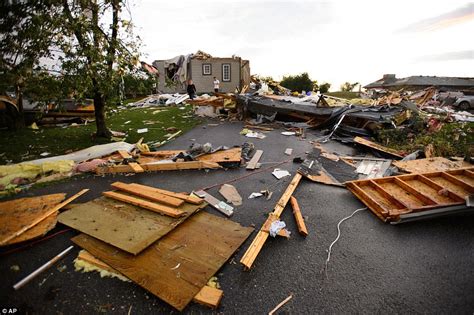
(339, 235)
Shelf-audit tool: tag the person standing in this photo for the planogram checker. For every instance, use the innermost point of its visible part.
(216, 85)
(191, 89)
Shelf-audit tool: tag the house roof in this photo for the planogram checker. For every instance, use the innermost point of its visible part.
(421, 81)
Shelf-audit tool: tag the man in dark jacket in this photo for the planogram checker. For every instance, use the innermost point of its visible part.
(191, 89)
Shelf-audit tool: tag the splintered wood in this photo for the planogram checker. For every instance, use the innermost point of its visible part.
(15, 214)
(396, 198)
(298, 216)
(378, 147)
(39, 218)
(178, 266)
(259, 240)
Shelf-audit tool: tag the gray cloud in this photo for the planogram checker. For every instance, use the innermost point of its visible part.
(448, 56)
(466, 11)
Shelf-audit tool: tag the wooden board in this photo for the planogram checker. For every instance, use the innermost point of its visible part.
(232, 155)
(154, 196)
(162, 209)
(18, 213)
(125, 226)
(298, 217)
(168, 166)
(152, 190)
(259, 240)
(252, 164)
(434, 164)
(378, 147)
(208, 296)
(390, 197)
(180, 264)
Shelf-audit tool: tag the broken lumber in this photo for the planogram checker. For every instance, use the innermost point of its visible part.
(43, 217)
(259, 240)
(124, 154)
(298, 216)
(165, 210)
(147, 194)
(187, 198)
(171, 166)
(378, 147)
(136, 167)
(253, 163)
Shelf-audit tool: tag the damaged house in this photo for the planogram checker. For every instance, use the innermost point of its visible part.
(415, 83)
(232, 72)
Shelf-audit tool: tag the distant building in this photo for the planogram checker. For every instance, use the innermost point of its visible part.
(390, 82)
(232, 72)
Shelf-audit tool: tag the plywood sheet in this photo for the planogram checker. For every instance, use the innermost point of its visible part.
(18, 213)
(435, 164)
(128, 227)
(176, 267)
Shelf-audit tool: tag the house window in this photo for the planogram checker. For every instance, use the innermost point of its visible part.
(206, 69)
(226, 72)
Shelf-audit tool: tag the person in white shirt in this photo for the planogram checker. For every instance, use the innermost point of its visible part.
(216, 85)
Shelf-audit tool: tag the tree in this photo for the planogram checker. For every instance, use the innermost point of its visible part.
(26, 31)
(298, 83)
(97, 53)
(324, 87)
(348, 87)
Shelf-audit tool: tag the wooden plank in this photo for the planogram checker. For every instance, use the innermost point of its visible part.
(452, 195)
(425, 199)
(258, 242)
(232, 155)
(171, 166)
(165, 210)
(188, 198)
(208, 296)
(136, 167)
(42, 217)
(458, 182)
(154, 196)
(398, 204)
(298, 216)
(252, 164)
(375, 206)
(124, 154)
(17, 213)
(180, 264)
(125, 226)
(377, 147)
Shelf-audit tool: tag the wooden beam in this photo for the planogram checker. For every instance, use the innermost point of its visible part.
(259, 240)
(420, 196)
(165, 210)
(171, 166)
(154, 196)
(43, 217)
(298, 216)
(252, 164)
(187, 198)
(124, 154)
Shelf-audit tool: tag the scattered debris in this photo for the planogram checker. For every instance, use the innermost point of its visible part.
(216, 203)
(288, 151)
(298, 216)
(255, 195)
(231, 194)
(279, 173)
(280, 304)
(253, 163)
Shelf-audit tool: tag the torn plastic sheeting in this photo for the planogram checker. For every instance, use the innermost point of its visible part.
(276, 227)
(93, 152)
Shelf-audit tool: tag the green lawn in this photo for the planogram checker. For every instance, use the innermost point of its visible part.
(28, 144)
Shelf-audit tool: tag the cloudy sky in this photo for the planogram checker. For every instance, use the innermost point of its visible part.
(333, 40)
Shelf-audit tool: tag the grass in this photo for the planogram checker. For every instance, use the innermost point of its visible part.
(27, 144)
(343, 94)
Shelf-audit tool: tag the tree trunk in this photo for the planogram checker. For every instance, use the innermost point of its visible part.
(99, 109)
(19, 120)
